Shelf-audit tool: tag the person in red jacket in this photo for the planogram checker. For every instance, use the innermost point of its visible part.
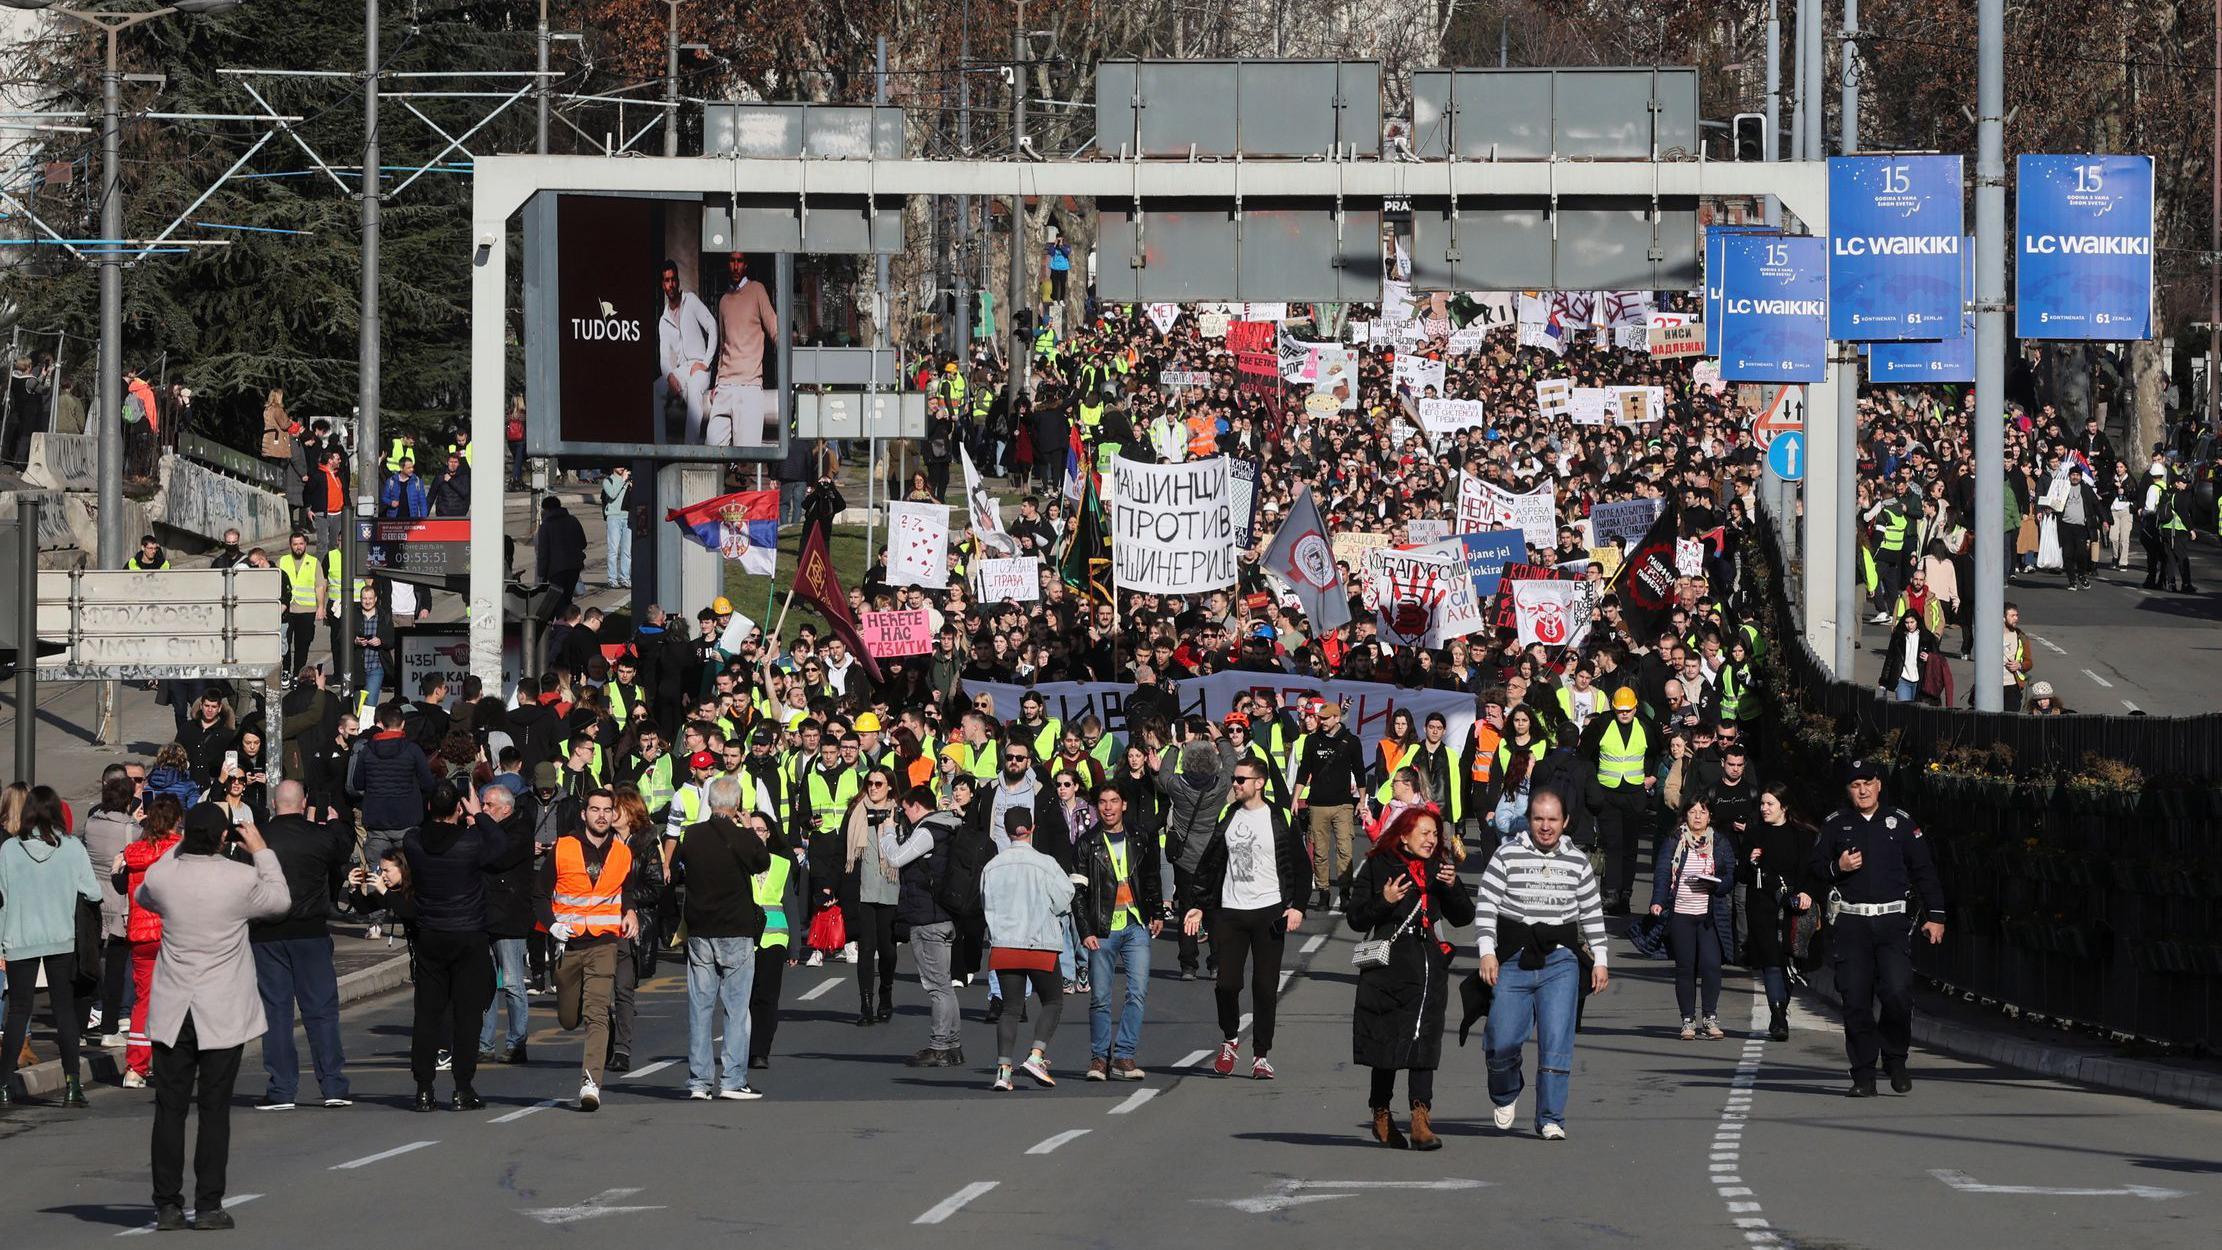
(158, 833)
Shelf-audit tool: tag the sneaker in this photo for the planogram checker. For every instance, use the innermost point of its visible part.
(516, 1054)
(1503, 1116)
(445, 1062)
(271, 1102)
(1099, 1069)
(1224, 1064)
(1711, 1030)
(170, 1218)
(1002, 1078)
(590, 1095)
(334, 1104)
(1261, 1069)
(115, 1041)
(132, 1080)
(699, 1095)
(745, 1093)
(1037, 1066)
(1553, 1132)
(92, 1021)
(1689, 1029)
(848, 953)
(1126, 1070)
(817, 959)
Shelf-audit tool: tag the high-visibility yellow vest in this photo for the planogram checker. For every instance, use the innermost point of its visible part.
(1397, 757)
(622, 704)
(1894, 528)
(593, 764)
(1732, 689)
(982, 761)
(395, 454)
(1091, 415)
(829, 802)
(654, 784)
(1045, 742)
(769, 888)
(1103, 752)
(1621, 765)
(464, 451)
(301, 579)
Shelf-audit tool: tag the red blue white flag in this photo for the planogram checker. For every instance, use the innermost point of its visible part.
(743, 527)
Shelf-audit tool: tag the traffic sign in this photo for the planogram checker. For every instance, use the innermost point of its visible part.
(129, 624)
(1782, 412)
(1786, 456)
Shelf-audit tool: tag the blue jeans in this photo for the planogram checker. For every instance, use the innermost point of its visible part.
(300, 970)
(374, 681)
(509, 991)
(1126, 950)
(620, 551)
(1068, 959)
(1906, 691)
(1542, 1001)
(720, 973)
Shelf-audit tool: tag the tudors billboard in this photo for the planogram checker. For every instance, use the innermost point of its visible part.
(639, 343)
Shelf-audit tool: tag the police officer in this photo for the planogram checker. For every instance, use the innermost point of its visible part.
(1874, 858)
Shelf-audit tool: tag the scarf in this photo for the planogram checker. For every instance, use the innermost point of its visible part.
(859, 828)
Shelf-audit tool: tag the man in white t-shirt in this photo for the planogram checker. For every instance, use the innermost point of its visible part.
(1252, 878)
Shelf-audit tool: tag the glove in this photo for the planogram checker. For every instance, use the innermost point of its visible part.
(560, 931)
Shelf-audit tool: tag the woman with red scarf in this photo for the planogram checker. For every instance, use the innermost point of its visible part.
(1405, 887)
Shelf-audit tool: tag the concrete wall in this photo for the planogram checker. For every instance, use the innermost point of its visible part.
(202, 502)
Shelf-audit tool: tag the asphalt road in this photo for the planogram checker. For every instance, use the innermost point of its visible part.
(1730, 1143)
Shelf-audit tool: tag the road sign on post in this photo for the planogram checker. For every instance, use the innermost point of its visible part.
(130, 625)
(1786, 456)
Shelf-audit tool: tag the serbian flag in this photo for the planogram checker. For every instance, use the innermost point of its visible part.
(744, 527)
(1076, 465)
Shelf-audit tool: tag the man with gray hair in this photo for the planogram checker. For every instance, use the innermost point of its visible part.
(1196, 780)
(293, 953)
(718, 859)
(509, 921)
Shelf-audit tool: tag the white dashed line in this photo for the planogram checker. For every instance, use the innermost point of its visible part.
(955, 1202)
(2131, 706)
(231, 1203)
(1133, 1101)
(521, 1112)
(1191, 1060)
(380, 1157)
(1286, 973)
(2049, 645)
(1048, 1144)
(645, 1070)
(2100, 680)
(822, 989)
(1725, 1158)
(1312, 945)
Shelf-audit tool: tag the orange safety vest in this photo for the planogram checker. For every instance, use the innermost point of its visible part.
(335, 499)
(591, 905)
(1485, 755)
(1203, 437)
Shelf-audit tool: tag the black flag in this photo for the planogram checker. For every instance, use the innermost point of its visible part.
(1645, 583)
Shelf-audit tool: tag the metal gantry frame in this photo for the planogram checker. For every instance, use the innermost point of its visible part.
(502, 184)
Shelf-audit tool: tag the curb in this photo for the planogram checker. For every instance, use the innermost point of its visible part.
(2136, 1077)
(106, 1067)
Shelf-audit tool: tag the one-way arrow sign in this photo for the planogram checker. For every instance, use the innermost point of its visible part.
(593, 1208)
(1969, 1185)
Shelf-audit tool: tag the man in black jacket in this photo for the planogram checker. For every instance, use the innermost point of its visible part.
(718, 859)
(391, 778)
(293, 953)
(207, 736)
(919, 857)
(449, 856)
(1250, 884)
(559, 553)
(1117, 914)
(508, 925)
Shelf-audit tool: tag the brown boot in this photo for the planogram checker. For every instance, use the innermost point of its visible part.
(1384, 1129)
(1423, 1136)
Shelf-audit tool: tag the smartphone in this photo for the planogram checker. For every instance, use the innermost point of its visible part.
(231, 761)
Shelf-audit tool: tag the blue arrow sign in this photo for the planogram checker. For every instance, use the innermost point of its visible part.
(1786, 456)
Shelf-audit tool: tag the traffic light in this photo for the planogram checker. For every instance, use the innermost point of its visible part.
(1750, 132)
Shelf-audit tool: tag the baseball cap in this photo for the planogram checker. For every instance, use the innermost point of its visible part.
(1018, 821)
(701, 761)
(544, 775)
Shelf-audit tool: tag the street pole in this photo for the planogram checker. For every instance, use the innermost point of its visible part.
(26, 637)
(960, 324)
(1019, 355)
(671, 81)
(540, 91)
(108, 448)
(1770, 145)
(1990, 355)
(1847, 385)
(368, 458)
(1800, 90)
(2214, 222)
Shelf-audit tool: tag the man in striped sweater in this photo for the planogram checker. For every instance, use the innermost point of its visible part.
(1540, 904)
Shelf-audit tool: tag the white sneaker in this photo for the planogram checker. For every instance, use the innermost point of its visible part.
(848, 953)
(590, 1095)
(743, 1094)
(373, 933)
(1552, 1132)
(699, 1095)
(817, 960)
(92, 1020)
(1505, 1115)
(132, 1080)
(445, 1061)
(115, 1041)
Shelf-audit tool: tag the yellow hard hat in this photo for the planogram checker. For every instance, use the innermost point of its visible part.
(1624, 700)
(951, 367)
(722, 606)
(867, 722)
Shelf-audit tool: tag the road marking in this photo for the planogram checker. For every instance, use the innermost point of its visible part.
(591, 1209)
(1290, 1193)
(521, 1112)
(1049, 1144)
(234, 1201)
(1969, 1185)
(1244, 1025)
(1312, 945)
(1286, 973)
(1744, 1210)
(1133, 1101)
(1191, 1060)
(380, 1157)
(2131, 706)
(2050, 645)
(2100, 680)
(823, 988)
(645, 1070)
(955, 1202)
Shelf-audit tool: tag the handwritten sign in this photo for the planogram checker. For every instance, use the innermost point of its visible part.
(1448, 416)
(1213, 325)
(917, 544)
(1016, 580)
(889, 635)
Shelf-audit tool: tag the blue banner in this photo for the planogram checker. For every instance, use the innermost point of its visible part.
(1774, 309)
(1895, 231)
(2084, 264)
(1488, 553)
(1713, 237)
(1940, 360)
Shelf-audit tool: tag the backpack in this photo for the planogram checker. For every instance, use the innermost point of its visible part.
(953, 868)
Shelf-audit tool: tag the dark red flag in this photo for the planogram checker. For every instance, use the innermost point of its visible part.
(817, 584)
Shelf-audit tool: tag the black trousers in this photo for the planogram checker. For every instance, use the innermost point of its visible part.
(1422, 1086)
(1696, 942)
(1253, 935)
(115, 985)
(763, 1000)
(1184, 890)
(61, 999)
(872, 928)
(1874, 963)
(1619, 811)
(455, 981)
(177, 1069)
(2075, 550)
(300, 636)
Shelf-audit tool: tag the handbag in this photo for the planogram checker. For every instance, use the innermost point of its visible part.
(1375, 953)
(829, 931)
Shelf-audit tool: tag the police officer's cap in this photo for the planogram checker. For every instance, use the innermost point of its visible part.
(1863, 769)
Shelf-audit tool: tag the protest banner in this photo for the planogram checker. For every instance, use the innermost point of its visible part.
(1448, 416)
(1257, 367)
(1689, 557)
(1543, 611)
(1367, 706)
(1676, 340)
(1634, 405)
(918, 544)
(1016, 580)
(1492, 310)
(1534, 514)
(1624, 520)
(1404, 587)
(1513, 573)
(1185, 379)
(1251, 336)
(1213, 325)
(1351, 548)
(1242, 500)
(1421, 533)
(1488, 555)
(1588, 404)
(1554, 397)
(1172, 526)
(1466, 340)
(1417, 374)
(907, 631)
(1162, 316)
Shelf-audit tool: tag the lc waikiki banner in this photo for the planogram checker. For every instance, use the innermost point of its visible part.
(1774, 308)
(2083, 268)
(1895, 242)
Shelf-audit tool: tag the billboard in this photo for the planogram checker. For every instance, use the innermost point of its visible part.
(1713, 237)
(1916, 361)
(1774, 308)
(1895, 230)
(639, 343)
(2083, 267)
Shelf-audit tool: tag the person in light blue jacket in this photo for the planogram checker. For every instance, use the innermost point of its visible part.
(1027, 898)
(44, 872)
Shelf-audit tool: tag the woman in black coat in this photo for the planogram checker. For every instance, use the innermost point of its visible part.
(1776, 892)
(1398, 1021)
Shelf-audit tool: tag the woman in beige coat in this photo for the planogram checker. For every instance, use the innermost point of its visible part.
(277, 429)
(206, 1007)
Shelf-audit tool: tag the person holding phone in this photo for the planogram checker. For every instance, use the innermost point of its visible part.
(1250, 885)
(1692, 888)
(1399, 893)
